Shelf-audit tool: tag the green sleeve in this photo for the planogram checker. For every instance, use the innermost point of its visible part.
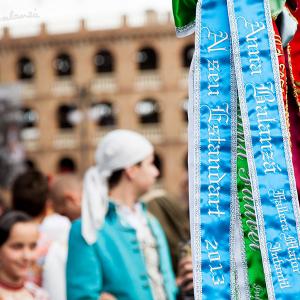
(184, 12)
(276, 7)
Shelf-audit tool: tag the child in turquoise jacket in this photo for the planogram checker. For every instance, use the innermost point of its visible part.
(118, 247)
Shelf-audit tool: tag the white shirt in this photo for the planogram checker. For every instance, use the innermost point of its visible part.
(57, 228)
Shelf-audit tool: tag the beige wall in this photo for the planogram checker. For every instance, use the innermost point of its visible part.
(169, 136)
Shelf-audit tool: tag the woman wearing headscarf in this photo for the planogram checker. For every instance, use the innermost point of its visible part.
(117, 247)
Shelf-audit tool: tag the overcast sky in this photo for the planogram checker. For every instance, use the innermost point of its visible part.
(23, 16)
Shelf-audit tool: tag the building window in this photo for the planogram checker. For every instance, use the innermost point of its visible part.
(185, 104)
(103, 113)
(148, 111)
(30, 164)
(63, 65)
(159, 165)
(104, 62)
(187, 55)
(147, 59)
(25, 68)
(185, 161)
(64, 116)
(29, 118)
(66, 165)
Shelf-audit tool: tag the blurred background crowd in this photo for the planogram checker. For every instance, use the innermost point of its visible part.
(61, 91)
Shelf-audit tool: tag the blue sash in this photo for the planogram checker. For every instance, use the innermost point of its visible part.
(212, 149)
(268, 150)
(212, 152)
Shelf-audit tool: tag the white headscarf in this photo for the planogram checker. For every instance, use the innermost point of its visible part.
(119, 149)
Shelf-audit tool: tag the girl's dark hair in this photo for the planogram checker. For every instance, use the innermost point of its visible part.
(3, 205)
(30, 193)
(8, 220)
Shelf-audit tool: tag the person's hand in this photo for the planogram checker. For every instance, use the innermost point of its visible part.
(185, 274)
(106, 296)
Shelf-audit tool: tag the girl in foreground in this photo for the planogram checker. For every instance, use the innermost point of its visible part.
(18, 239)
(118, 247)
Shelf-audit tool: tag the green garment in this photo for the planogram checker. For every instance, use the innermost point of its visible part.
(276, 7)
(256, 277)
(184, 12)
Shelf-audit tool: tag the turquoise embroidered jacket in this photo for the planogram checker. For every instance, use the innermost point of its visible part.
(114, 264)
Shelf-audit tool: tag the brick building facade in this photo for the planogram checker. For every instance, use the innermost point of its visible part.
(78, 86)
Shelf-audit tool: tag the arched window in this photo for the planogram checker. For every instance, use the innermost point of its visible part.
(25, 68)
(159, 164)
(185, 104)
(64, 114)
(103, 113)
(147, 59)
(63, 65)
(187, 55)
(185, 161)
(30, 164)
(66, 165)
(29, 117)
(148, 111)
(104, 62)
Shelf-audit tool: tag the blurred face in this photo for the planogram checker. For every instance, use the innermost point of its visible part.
(72, 207)
(144, 175)
(68, 203)
(18, 253)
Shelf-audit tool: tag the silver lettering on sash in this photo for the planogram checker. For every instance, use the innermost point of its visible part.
(274, 250)
(291, 243)
(264, 94)
(247, 190)
(218, 116)
(215, 264)
(213, 77)
(218, 39)
(255, 64)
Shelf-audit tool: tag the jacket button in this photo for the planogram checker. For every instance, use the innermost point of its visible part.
(146, 286)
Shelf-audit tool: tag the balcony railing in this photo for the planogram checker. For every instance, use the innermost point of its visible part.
(30, 138)
(184, 134)
(28, 90)
(63, 87)
(66, 140)
(148, 80)
(152, 132)
(100, 132)
(104, 83)
(184, 79)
